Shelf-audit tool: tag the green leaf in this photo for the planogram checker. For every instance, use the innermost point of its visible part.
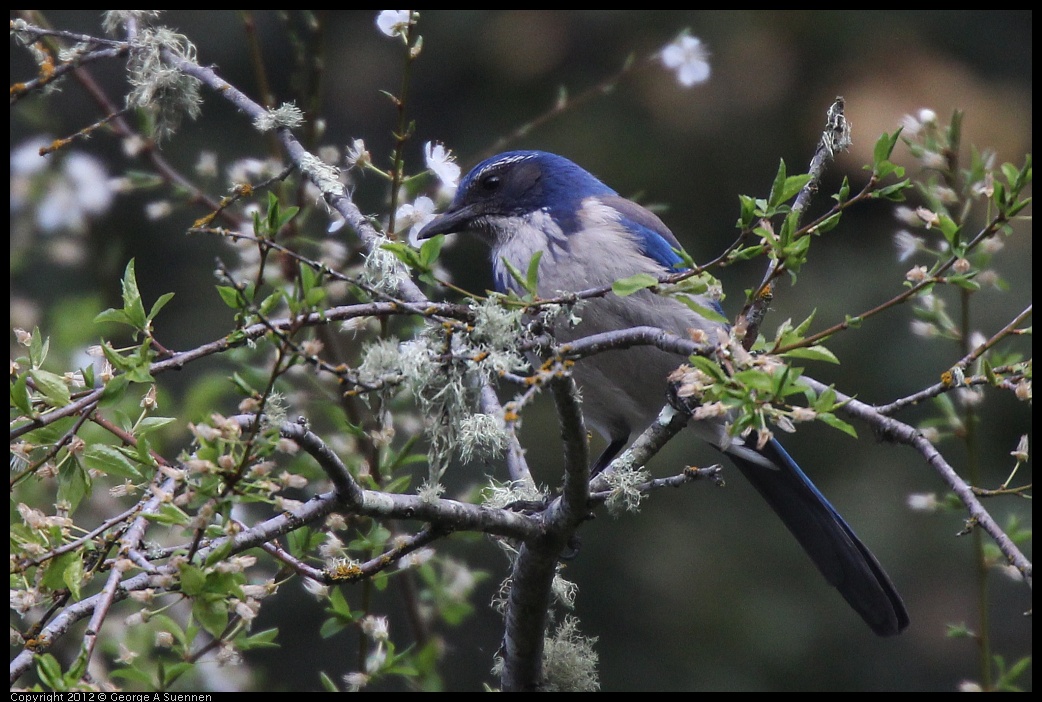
(755, 379)
(837, 423)
(309, 277)
(788, 228)
(159, 304)
(134, 675)
(150, 424)
(420, 260)
(693, 285)
(793, 184)
(431, 249)
(331, 627)
(327, 682)
(211, 613)
(630, 285)
(276, 217)
(20, 395)
(111, 461)
(193, 580)
(288, 213)
(230, 295)
(261, 639)
(220, 553)
(54, 574)
(132, 304)
(78, 667)
(747, 211)
(844, 191)
(73, 577)
(950, 229)
(172, 671)
(52, 386)
(169, 515)
(340, 610)
(74, 482)
(803, 326)
(314, 296)
(686, 263)
(38, 346)
(268, 304)
(113, 316)
(894, 192)
(707, 312)
(135, 365)
(167, 623)
(1011, 172)
(404, 253)
(50, 671)
(884, 147)
(814, 353)
(746, 253)
(965, 282)
(114, 389)
(709, 367)
(767, 234)
(303, 541)
(775, 199)
(959, 631)
(532, 276)
(827, 224)
(529, 281)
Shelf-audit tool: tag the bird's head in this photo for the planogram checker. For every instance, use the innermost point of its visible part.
(516, 184)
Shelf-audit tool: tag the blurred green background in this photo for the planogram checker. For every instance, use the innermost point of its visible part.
(703, 590)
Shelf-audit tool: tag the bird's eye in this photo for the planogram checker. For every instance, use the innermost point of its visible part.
(491, 182)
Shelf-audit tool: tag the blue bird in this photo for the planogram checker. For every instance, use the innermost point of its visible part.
(527, 202)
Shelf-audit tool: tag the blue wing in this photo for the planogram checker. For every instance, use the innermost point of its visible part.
(655, 239)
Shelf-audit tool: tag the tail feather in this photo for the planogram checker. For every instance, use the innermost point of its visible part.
(846, 563)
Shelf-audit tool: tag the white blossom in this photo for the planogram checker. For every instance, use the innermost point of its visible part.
(158, 209)
(315, 588)
(356, 681)
(26, 159)
(913, 124)
(923, 502)
(688, 58)
(1021, 452)
(375, 628)
(414, 215)
(206, 164)
(393, 23)
(357, 154)
(442, 164)
(907, 244)
(80, 191)
(917, 274)
(126, 656)
(923, 329)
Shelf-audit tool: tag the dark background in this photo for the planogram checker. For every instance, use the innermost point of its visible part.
(703, 590)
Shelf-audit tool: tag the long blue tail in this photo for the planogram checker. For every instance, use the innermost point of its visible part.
(846, 563)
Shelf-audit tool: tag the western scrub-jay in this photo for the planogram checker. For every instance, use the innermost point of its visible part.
(526, 202)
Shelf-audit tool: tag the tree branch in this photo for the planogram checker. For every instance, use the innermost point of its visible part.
(897, 431)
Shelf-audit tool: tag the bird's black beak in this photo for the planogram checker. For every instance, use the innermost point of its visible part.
(451, 221)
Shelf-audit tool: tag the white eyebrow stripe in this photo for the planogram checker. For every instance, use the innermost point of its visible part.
(506, 160)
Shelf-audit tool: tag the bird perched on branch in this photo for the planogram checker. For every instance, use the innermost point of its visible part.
(525, 203)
